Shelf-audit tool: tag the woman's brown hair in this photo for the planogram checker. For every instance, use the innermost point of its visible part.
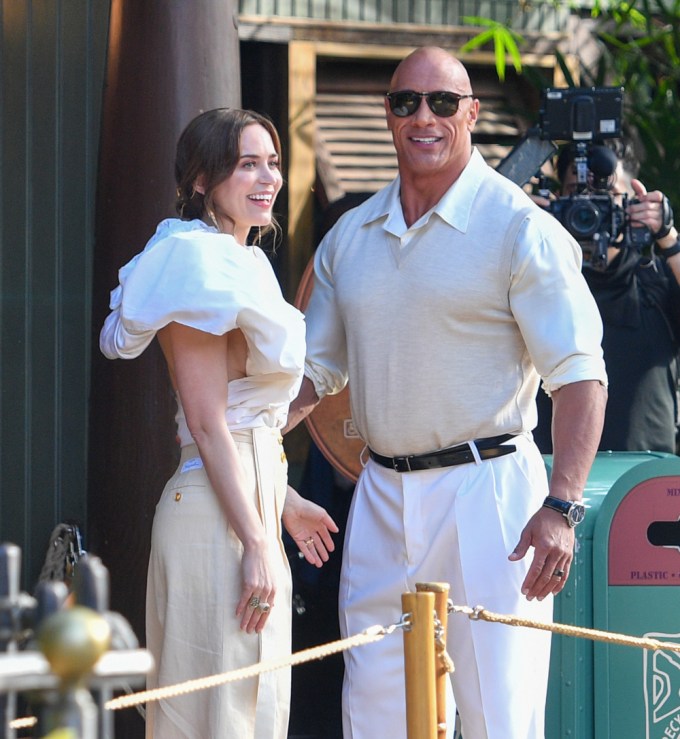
(210, 147)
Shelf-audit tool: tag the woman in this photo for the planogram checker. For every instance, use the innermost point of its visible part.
(218, 590)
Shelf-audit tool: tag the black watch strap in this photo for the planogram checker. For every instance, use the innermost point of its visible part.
(671, 251)
(667, 220)
(573, 511)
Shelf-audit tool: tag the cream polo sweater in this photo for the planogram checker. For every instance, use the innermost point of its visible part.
(445, 328)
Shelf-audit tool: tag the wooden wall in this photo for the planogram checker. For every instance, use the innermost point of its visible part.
(51, 73)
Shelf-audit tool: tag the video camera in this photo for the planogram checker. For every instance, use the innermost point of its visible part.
(583, 117)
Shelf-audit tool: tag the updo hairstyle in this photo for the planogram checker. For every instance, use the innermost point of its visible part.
(210, 146)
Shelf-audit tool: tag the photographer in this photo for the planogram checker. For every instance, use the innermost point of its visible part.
(639, 300)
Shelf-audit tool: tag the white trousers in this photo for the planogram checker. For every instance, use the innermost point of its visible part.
(456, 525)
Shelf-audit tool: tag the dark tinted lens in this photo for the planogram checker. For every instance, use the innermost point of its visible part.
(403, 104)
(406, 102)
(444, 104)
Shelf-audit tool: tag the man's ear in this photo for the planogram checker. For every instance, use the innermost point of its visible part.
(473, 114)
(199, 184)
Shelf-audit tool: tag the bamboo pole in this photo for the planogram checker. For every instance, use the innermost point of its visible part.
(441, 607)
(419, 665)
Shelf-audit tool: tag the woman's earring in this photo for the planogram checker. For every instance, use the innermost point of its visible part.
(211, 215)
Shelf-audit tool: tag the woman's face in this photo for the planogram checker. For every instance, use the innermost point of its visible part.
(246, 198)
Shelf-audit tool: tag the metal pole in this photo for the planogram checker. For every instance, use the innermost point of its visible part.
(441, 607)
(91, 584)
(10, 568)
(419, 666)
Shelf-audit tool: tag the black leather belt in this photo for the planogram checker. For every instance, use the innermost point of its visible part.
(453, 455)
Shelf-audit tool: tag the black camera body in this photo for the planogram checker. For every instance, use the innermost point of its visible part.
(584, 117)
(593, 215)
(597, 221)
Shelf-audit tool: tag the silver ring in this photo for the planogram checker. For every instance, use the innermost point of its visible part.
(264, 607)
(254, 602)
(559, 574)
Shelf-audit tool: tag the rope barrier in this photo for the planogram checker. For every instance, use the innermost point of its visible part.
(368, 636)
(480, 613)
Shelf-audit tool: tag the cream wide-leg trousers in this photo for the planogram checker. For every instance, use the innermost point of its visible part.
(456, 525)
(194, 584)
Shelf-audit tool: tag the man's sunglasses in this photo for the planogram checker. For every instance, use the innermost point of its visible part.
(406, 102)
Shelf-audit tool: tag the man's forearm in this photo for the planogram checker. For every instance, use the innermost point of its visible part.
(303, 405)
(578, 417)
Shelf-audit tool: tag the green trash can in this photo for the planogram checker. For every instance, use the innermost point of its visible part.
(621, 582)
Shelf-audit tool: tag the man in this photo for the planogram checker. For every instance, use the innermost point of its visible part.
(639, 302)
(443, 297)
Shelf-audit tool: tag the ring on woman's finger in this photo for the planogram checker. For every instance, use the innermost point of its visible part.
(264, 607)
(254, 602)
(558, 574)
(309, 541)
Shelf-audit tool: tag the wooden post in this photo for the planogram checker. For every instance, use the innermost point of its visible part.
(419, 666)
(441, 607)
(302, 160)
(167, 62)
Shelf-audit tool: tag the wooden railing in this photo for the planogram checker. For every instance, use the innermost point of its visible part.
(537, 15)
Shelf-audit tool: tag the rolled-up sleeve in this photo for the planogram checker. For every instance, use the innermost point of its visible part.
(326, 362)
(553, 306)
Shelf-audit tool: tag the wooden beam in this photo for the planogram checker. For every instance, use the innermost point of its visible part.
(302, 161)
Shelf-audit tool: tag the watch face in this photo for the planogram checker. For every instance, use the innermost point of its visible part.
(576, 514)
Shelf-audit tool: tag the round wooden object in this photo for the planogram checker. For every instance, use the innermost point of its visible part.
(330, 425)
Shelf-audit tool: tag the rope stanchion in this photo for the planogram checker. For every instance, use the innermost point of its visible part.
(424, 623)
(419, 666)
(444, 663)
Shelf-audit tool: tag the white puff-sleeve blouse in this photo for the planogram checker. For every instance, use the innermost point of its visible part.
(191, 274)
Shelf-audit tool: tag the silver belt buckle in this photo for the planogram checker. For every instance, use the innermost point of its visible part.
(398, 462)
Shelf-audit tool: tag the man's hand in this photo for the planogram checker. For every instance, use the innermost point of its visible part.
(553, 541)
(649, 210)
(578, 415)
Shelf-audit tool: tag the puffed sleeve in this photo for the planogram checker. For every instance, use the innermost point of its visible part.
(196, 279)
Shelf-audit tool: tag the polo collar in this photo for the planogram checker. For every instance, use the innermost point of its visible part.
(455, 207)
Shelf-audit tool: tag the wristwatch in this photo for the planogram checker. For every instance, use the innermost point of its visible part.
(572, 510)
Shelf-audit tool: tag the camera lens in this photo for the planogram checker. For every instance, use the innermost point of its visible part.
(583, 219)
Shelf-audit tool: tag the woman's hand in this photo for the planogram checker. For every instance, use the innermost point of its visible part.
(258, 590)
(310, 526)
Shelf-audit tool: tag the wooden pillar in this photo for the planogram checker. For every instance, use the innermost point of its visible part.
(302, 164)
(166, 63)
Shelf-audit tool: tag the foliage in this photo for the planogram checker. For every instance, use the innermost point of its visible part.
(505, 43)
(641, 51)
(640, 45)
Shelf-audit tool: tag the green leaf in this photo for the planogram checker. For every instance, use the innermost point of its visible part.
(505, 43)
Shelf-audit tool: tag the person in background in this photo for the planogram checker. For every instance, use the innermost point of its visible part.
(638, 296)
(218, 591)
(443, 299)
